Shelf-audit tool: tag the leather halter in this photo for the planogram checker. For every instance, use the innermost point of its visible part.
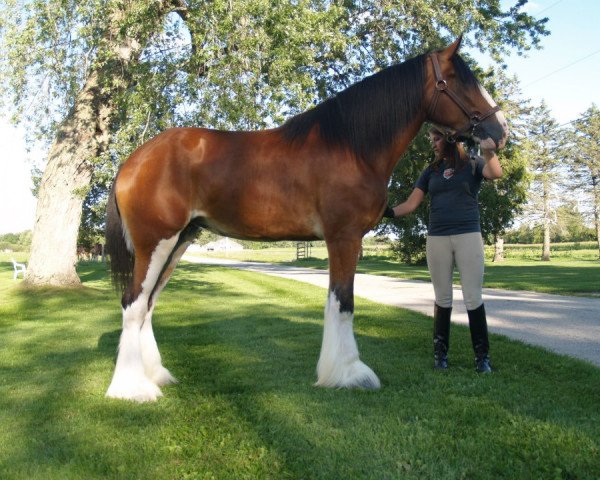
(441, 86)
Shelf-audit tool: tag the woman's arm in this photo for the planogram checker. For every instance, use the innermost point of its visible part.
(410, 204)
(492, 168)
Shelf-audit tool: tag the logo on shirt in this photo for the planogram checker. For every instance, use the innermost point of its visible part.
(448, 173)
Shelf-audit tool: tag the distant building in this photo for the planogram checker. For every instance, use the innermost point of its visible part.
(223, 245)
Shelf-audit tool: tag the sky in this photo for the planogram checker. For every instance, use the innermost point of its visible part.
(565, 74)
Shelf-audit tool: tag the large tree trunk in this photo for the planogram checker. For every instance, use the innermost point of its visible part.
(83, 136)
(546, 245)
(53, 244)
(65, 181)
(498, 250)
(596, 193)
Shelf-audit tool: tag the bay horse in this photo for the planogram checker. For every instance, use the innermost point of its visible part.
(323, 174)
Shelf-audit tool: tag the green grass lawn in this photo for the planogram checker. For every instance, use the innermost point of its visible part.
(561, 277)
(567, 274)
(244, 347)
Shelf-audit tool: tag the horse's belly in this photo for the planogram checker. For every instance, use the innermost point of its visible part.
(260, 226)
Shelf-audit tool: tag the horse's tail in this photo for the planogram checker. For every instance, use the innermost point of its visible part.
(121, 259)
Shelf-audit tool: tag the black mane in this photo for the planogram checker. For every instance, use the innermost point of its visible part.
(367, 115)
(464, 73)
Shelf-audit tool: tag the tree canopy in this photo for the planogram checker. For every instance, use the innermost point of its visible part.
(94, 79)
(583, 152)
(226, 64)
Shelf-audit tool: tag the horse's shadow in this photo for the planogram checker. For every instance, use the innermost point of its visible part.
(246, 357)
(257, 363)
(251, 346)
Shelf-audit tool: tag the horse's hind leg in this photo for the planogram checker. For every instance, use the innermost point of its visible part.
(151, 358)
(339, 364)
(130, 380)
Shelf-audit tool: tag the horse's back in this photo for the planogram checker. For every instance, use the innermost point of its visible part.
(243, 183)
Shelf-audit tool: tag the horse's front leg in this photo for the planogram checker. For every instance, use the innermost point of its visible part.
(339, 364)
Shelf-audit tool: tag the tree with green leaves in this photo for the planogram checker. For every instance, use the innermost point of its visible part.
(503, 199)
(409, 232)
(570, 223)
(69, 64)
(584, 156)
(94, 79)
(544, 149)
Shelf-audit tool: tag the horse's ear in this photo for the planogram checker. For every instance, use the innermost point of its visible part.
(451, 49)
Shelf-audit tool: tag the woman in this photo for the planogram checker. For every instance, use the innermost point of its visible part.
(452, 181)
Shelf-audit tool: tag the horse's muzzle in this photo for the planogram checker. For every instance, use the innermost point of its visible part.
(491, 135)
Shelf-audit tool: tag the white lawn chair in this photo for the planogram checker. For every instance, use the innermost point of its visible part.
(18, 268)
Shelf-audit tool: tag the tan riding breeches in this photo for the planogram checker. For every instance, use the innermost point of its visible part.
(466, 252)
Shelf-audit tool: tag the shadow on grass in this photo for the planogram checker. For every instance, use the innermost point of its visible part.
(244, 347)
(92, 271)
(256, 358)
(48, 355)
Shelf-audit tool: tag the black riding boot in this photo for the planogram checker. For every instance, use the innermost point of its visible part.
(441, 336)
(479, 337)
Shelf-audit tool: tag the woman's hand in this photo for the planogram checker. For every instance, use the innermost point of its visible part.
(406, 207)
(492, 169)
(389, 212)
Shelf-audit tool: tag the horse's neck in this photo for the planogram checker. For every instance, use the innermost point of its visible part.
(390, 158)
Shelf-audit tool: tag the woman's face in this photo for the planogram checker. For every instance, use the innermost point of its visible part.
(437, 142)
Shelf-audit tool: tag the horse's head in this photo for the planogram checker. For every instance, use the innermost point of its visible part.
(458, 104)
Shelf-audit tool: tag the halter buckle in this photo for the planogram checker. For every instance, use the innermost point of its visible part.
(441, 85)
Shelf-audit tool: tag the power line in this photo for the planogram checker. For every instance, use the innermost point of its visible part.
(563, 68)
(581, 119)
(548, 8)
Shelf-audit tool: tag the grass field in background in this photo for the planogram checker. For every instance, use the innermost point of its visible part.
(533, 252)
(562, 277)
(244, 347)
(574, 270)
(558, 251)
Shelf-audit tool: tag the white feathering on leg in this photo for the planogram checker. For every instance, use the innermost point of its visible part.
(129, 380)
(139, 370)
(339, 364)
(151, 356)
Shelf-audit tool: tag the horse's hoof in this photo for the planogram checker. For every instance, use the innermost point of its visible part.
(161, 376)
(355, 375)
(142, 390)
(369, 383)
